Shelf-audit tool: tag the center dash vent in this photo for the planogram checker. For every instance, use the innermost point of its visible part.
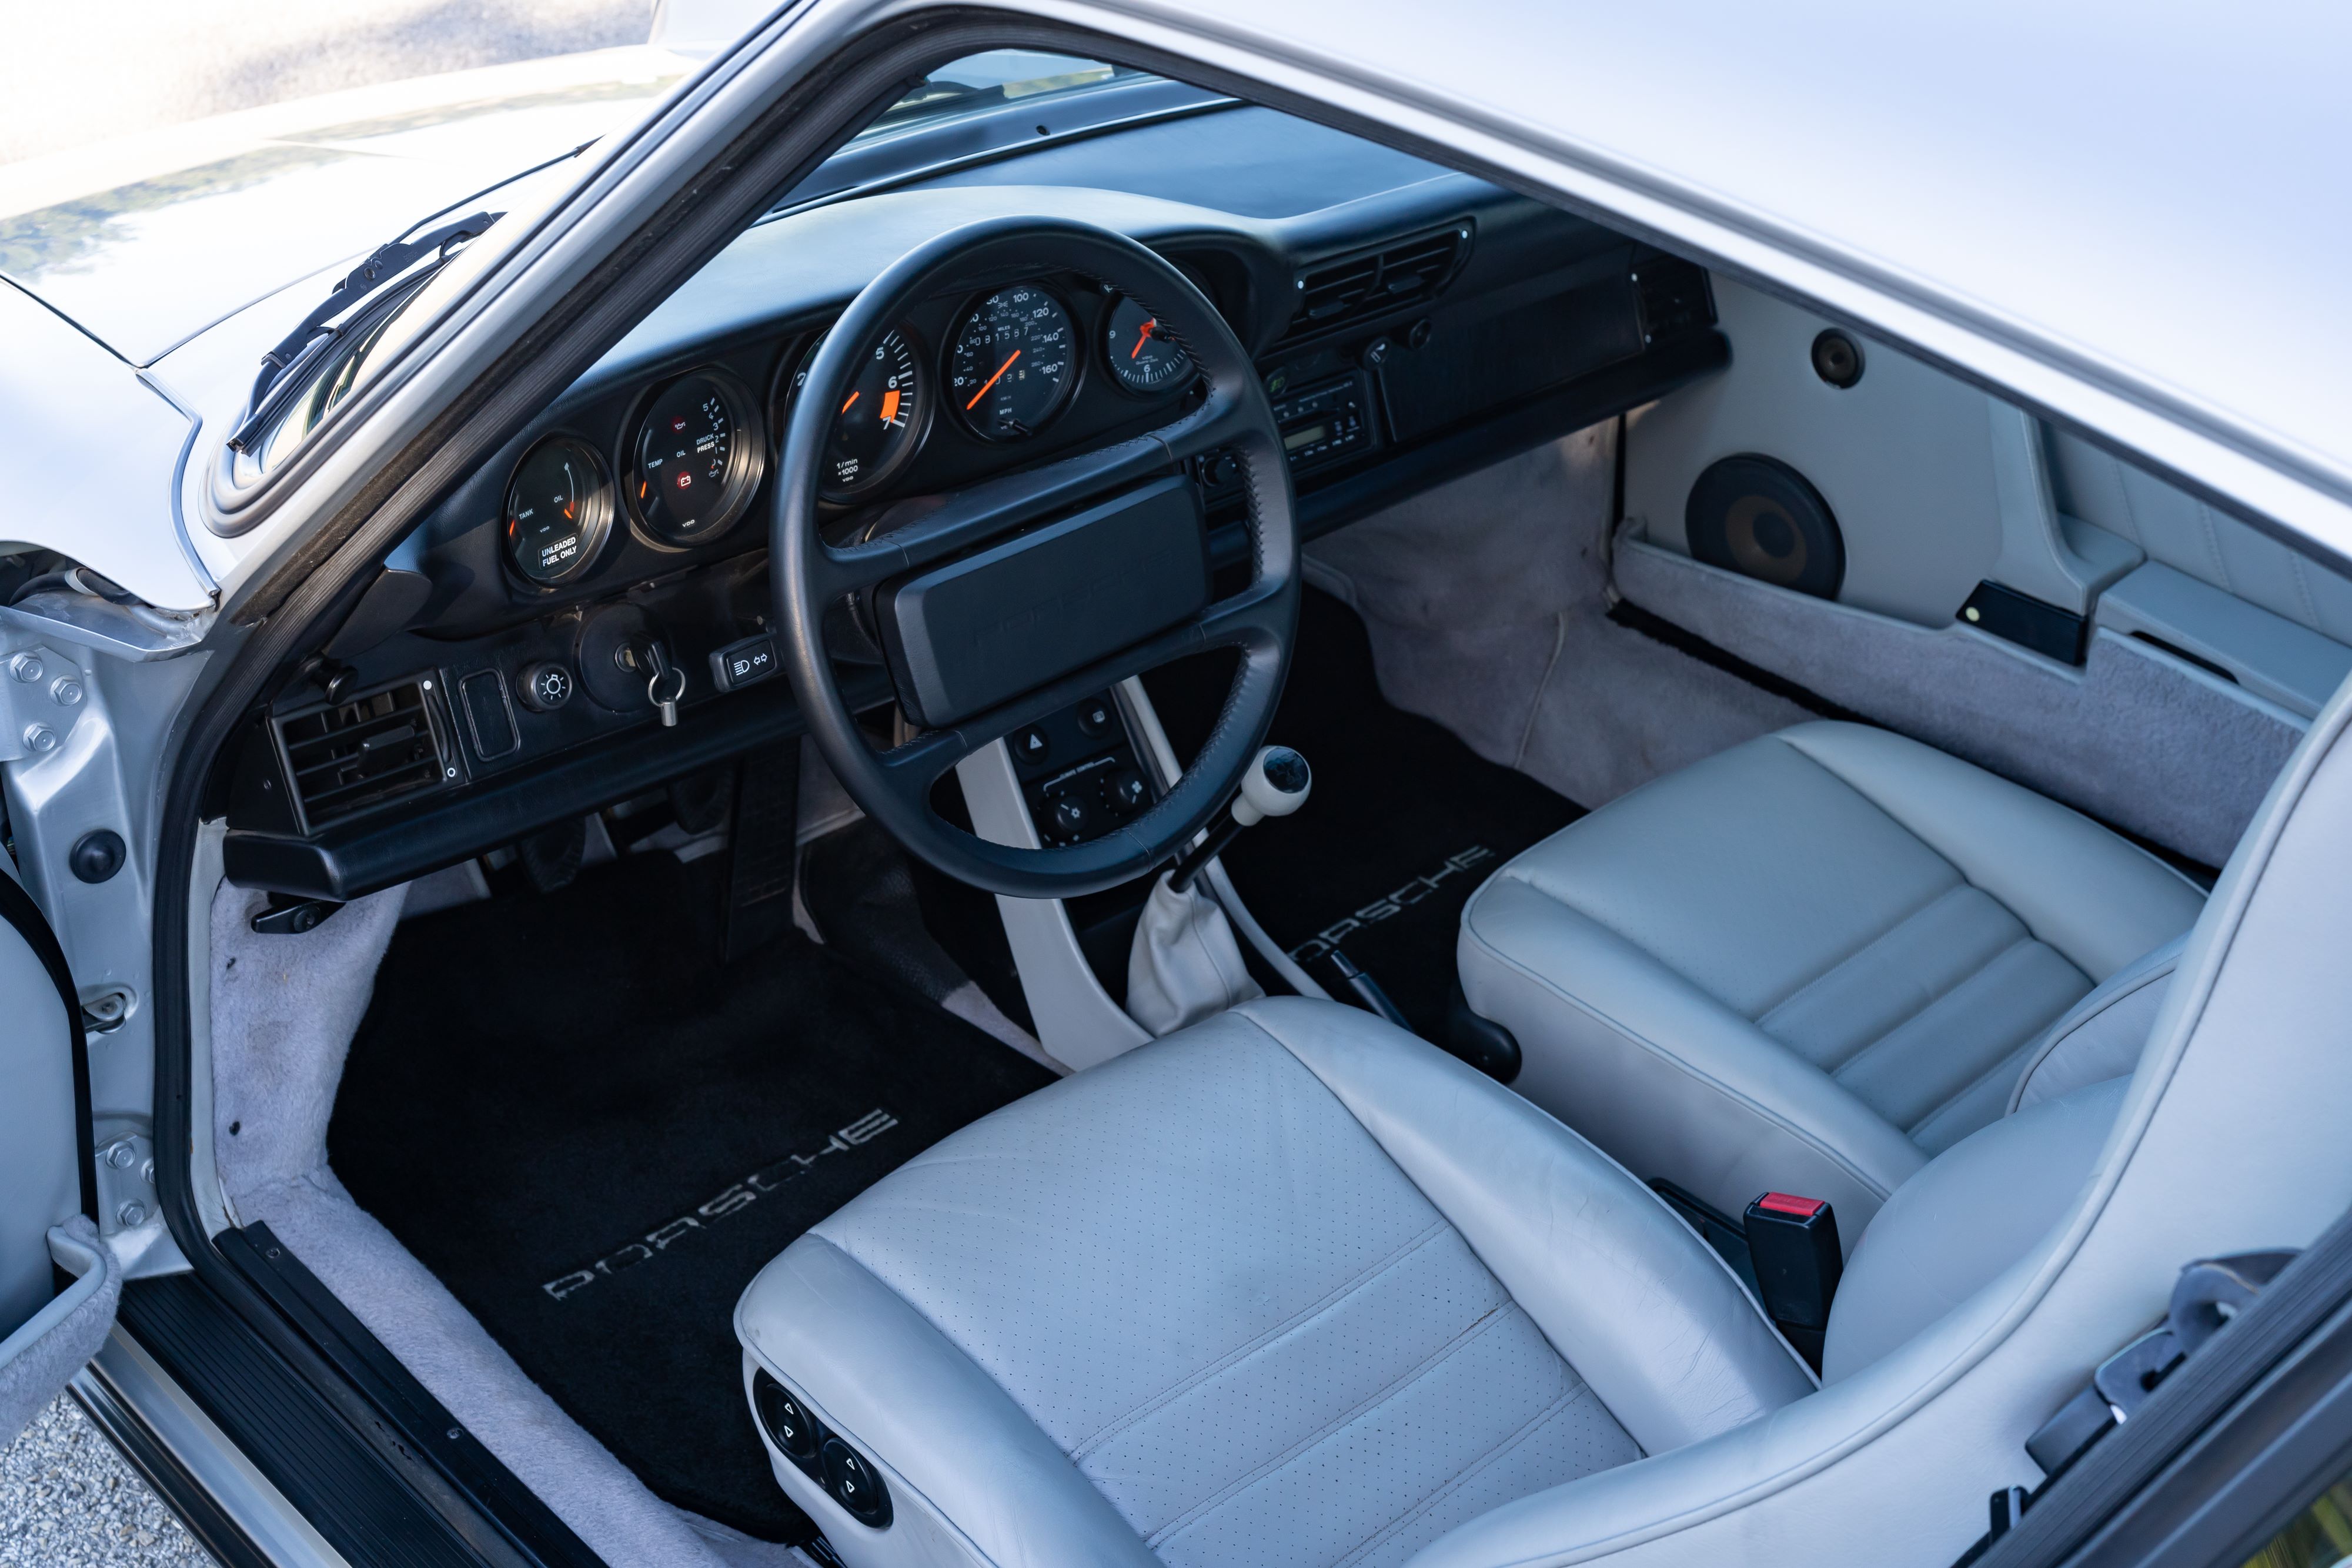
(1356, 288)
(347, 756)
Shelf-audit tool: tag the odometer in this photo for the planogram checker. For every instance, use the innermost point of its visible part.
(1013, 364)
(880, 422)
(559, 510)
(698, 457)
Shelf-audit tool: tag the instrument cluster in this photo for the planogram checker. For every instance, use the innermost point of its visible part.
(959, 391)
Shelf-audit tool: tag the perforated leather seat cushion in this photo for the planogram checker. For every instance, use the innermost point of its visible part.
(1234, 1299)
(1807, 963)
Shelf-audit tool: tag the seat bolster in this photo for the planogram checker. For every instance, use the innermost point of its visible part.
(1979, 1207)
(1647, 1314)
(2097, 898)
(1663, 1076)
(971, 1477)
(2100, 1037)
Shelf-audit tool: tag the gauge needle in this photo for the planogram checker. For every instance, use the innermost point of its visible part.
(1143, 337)
(853, 398)
(991, 381)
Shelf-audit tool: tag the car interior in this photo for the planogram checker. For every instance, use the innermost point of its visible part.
(1715, 756)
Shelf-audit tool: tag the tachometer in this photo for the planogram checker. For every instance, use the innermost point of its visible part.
(1013, 364)
(698, 457)
(559, 510)
(879, 425)
(1143, 355)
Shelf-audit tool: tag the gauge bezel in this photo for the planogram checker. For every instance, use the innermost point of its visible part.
(596, 537)
(1070, 386)
(747, 460)
(790, 374)
(1111, 300)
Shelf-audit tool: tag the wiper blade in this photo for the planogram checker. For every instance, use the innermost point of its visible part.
(389, 264)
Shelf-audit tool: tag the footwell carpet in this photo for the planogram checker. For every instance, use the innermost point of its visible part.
(595, 1133)
(1404, 824)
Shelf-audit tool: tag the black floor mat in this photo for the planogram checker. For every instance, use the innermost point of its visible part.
(1404, 824)
(596, 1135)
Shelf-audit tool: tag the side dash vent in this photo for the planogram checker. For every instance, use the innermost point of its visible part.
(346, 757)
(1674, 297)
(1358, 288)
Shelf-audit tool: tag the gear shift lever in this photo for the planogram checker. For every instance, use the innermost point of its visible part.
(1184, 965)
(1275, 785)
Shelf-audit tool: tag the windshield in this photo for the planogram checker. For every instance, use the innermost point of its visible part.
(985, 81)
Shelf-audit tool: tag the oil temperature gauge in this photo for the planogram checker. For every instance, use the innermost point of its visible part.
(558, 511)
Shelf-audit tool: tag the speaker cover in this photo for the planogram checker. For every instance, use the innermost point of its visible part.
(1759, 517)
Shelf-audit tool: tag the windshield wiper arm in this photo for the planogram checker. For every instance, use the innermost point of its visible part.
(388, 265)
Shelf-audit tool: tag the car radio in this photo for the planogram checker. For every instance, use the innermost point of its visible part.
(1318, 424)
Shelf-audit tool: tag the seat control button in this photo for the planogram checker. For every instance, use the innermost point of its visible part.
(854, 1486)
(787, 1423)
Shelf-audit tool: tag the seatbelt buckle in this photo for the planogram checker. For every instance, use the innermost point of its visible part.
(1793, 1244)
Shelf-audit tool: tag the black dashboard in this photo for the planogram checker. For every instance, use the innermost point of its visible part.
(586, 616)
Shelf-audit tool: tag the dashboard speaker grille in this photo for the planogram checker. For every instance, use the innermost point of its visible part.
(1357, 287)
(347, 756)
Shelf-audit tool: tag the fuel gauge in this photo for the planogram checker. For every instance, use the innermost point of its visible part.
(558, 511)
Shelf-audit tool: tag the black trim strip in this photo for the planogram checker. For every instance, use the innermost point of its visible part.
(291, 1433)
(16, 908)
(2118, 1479)
(423, 1421)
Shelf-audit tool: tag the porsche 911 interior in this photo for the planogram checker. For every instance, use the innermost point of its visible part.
(1179, 839)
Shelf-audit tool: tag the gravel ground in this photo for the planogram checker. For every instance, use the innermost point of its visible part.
(68, 1500)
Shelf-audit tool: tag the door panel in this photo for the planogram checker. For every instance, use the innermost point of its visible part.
(46, 1181)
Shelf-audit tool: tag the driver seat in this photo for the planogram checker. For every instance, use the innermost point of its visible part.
(1289, 1287)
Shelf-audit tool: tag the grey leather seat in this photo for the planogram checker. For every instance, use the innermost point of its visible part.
(1291, 1287)
(1814, 961)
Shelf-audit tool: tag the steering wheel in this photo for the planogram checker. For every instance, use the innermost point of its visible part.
(1006, 600)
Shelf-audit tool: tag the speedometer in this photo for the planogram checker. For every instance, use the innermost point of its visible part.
(698, 454)
(1013, 362)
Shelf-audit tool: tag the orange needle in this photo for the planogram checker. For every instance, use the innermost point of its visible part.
(991, 381)
(853, 398)
(1143, 337)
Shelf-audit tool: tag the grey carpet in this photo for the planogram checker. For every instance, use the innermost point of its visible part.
(284, 1009)
(1487, 603)
(2132, 737)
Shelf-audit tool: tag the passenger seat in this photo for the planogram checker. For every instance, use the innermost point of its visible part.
(1812, 961)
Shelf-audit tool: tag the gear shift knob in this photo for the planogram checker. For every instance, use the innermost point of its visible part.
(1275, 785)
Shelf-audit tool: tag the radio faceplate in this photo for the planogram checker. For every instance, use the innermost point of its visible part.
(1320, 423)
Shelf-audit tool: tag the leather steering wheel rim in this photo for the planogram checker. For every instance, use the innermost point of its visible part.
(809, 577)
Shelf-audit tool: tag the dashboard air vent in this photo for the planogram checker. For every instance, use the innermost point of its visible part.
(1674, 297)
(350, 755)
(1356, 288)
